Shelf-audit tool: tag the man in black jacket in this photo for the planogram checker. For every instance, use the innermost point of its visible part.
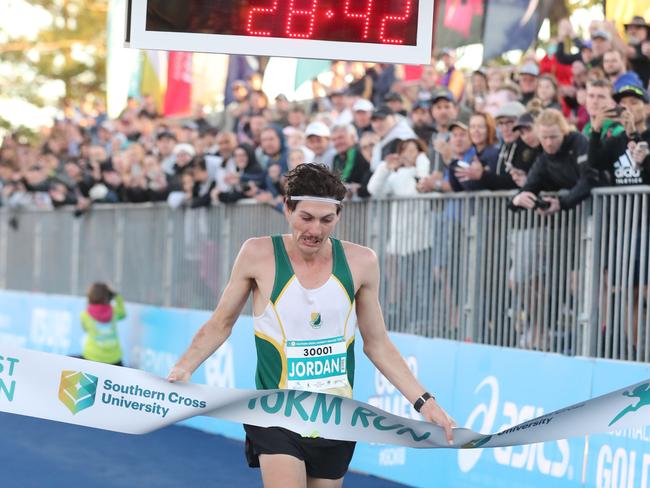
(561, 166)
(624, 157)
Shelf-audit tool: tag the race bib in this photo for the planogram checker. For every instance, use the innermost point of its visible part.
(317, 365)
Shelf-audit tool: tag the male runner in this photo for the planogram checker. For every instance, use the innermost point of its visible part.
(312, 288)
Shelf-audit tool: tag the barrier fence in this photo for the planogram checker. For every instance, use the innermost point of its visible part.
(462, 266)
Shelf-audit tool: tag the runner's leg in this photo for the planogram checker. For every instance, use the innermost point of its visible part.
(323, 483)
(282, 471)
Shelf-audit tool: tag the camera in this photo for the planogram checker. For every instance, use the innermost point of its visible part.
(541, 204)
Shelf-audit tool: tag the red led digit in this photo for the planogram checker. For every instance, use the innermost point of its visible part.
(294, 12)
(364, 16)
(394, 18)
(258, 10)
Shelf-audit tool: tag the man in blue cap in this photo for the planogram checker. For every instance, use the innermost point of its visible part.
(623, 157)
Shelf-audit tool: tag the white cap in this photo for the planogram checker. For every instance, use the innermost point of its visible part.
(186, 148)
(318, 129)
(363, 105)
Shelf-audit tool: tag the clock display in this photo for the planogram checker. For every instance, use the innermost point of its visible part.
(393, 22)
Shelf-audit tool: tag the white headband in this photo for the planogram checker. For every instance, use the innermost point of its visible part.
(315, 199)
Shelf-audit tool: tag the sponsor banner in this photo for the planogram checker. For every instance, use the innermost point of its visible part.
(485, 388)
(131, 401)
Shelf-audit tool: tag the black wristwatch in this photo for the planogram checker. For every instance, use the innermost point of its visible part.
(419, 403)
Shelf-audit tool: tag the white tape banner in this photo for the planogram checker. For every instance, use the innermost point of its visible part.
(125, 400)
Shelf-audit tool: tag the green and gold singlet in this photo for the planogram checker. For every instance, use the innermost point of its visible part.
(305, 337)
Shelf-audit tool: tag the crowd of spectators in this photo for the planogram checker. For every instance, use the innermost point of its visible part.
(574, 119)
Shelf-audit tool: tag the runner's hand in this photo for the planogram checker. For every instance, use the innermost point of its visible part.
(434, 413)
(179, 375)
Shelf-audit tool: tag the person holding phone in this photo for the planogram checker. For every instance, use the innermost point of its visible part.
(625, 157)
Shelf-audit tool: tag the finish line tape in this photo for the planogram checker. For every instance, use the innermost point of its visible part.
(130, 401)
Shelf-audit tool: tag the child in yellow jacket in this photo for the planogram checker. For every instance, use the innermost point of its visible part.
(99, 320)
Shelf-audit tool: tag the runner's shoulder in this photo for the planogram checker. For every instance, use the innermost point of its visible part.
(256, 249)
(361, 255)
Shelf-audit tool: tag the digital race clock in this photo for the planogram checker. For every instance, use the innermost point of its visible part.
(394, 31)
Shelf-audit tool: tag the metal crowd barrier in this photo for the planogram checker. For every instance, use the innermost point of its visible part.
(461, 266)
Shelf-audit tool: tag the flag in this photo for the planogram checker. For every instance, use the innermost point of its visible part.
(120, 60)
(513, 24)
(308, 69)
(458, 23)
(154, 64)
(178, 96)
(239, 68)
(622, 11)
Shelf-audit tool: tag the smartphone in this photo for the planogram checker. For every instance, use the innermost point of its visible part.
(617, 110)
(462, 164)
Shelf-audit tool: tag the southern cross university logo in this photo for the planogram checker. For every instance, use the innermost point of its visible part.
(77, 390)
(316, 320)
(642, 392)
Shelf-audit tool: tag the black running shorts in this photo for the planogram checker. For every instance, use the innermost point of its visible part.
(323, 458)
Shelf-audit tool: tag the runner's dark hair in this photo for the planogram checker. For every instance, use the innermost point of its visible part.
(314, 180)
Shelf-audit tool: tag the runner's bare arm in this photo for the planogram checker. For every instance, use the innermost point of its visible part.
(381, 350)
(219, 326)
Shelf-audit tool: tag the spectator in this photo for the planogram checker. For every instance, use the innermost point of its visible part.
(273, 148)
(362, 114)
(396, 103)
(443, 112)
(547, 92)
(367, 145)
(561, 166)
(349, 161)
(452, 79)
(237, 108)
(566, 37)
(165, 144)
(638, 47)
(613, 65)
(599, 98)
(183, 156)
(512, 148)
(483, 156)
(421, 121)
(624, 156)
(601, 42)
(528, 75)
(318, 141)
(248, 178)
(203, 184)
(341, 112)
(476, 96)
(297, 117)
(222, 162)
(99, 322)
(397, 175)
(391, 129)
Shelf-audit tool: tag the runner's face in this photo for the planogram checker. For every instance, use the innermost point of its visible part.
(311, 225)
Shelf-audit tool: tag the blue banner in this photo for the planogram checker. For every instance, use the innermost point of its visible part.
(485, 388)
(510, 24)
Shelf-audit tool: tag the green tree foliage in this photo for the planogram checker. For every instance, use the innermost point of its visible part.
(71, 49)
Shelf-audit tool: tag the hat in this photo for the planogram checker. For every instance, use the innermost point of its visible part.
(107, 125)
(337, 93)
(440, 94)
(166, 135)
(512, 110)
(638, 21)
(602, 34)
(392, 97)
(462, 121)
(190, 125)
(525, 120)
(633, 90)
(382, 112)
(445, 51)
(421, 104)
(529, 69)
(318, 129)
(363, 105)
(586, 44)
(186, 148)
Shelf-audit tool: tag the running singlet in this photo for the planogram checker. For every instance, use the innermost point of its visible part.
(305, 337)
